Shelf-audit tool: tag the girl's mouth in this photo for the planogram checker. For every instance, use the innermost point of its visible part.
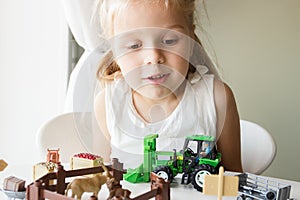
(158, 78)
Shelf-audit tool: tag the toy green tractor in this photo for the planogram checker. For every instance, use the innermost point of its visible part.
(198, 157)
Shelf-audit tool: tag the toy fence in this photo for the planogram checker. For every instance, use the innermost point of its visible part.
(160, 189)
(41, 189)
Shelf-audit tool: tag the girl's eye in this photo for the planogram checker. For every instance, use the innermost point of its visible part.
(170, 41)
(134, 45)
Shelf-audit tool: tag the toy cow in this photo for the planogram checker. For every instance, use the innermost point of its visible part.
(93, 184)
(116, 191)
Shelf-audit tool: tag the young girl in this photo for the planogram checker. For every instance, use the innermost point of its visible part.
(158, 79)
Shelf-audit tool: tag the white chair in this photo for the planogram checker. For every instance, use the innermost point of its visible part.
(82, 83)
(258, 148)
(62, 132)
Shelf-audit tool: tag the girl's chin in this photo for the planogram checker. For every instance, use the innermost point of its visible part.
(154, 92)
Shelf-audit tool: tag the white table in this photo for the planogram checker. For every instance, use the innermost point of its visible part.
(178, 191)
(187, 192)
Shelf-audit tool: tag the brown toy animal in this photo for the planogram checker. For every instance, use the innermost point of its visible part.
(115, 190)
(94, 184)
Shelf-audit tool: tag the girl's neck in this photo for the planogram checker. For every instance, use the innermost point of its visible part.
(154, 110)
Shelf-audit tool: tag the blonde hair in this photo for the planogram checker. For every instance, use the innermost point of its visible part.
(108, 10)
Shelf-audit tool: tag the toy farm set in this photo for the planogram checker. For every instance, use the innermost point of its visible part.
(198, 163)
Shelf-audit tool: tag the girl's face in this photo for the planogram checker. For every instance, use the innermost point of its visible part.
(152, 46)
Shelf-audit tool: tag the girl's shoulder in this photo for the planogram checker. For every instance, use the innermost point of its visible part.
(203, 79)
(222, 91)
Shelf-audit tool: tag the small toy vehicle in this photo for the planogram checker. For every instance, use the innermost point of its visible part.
(257, 187)
(198, 157)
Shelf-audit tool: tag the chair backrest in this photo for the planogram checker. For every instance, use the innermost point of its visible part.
(81, 87)
(62, 132)
(258, 148)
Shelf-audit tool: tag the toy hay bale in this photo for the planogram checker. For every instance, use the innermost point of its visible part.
(43, 168)
(85, 160)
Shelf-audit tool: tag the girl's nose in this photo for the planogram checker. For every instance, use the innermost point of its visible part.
(153, 56)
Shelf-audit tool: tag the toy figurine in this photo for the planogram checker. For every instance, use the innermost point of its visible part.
(116, 190)
(53, 156)
(91, 184)
(206, 147)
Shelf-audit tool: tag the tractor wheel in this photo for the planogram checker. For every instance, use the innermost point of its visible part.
(240, 198)
(270, 195)
(165, 172)
(198, 176)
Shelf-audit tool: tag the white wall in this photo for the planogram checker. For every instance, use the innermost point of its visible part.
(33, 73)
(258, 47)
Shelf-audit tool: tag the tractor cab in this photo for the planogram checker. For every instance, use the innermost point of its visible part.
(197, 150)
(199, 146)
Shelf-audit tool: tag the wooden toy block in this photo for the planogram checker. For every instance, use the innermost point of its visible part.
(12, 183)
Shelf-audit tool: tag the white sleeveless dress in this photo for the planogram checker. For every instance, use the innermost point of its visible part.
(195, 114)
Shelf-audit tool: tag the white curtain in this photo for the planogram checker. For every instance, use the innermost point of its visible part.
(85, 28)
(80, 20)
